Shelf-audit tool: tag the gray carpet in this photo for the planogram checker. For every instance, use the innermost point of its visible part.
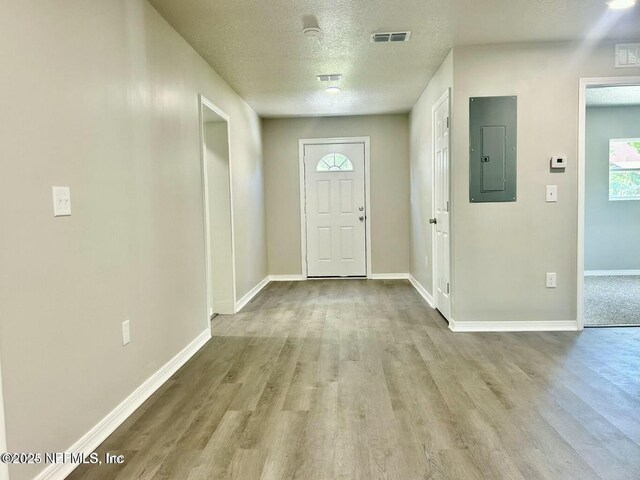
(610, 300)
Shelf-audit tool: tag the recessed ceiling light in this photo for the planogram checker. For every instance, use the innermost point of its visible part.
(333, 90)
(620, 4)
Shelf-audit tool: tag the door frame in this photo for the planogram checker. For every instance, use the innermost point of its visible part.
(583, 84)
(446, 96)
(303, 197)
(204, 102)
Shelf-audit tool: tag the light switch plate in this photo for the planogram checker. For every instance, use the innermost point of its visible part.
(552, 193)
(126, 332)
(61, 201)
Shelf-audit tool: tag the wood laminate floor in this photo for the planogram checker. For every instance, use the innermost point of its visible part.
(351, 379)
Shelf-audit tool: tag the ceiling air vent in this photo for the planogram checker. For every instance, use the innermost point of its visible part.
(627, 55)
(334, 77)
(388, 37)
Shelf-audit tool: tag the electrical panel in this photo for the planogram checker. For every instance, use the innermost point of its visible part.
(492, 150)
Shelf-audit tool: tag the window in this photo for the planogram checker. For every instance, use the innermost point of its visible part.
(624, 169)
(334, 162)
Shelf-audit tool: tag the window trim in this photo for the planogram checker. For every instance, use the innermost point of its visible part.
(338, 168)
(620, 170)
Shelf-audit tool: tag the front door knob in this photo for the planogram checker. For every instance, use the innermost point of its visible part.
(361, 218)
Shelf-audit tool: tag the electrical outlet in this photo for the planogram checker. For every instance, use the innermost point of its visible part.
(551, 280)
(126, 333)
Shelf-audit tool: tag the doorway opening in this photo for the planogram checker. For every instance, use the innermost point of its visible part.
(441, 219)
(335, 209)
(218, 210)
(609, 203)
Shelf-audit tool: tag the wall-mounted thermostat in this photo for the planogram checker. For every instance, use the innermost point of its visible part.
(558, 162)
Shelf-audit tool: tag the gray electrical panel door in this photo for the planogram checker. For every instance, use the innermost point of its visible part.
(492, 155)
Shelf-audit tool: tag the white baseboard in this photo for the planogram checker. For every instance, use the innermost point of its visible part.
(422, 291)
(515, 326)
(374, 276)
(606, 273)
(94, 437)
(240, 304)
(389, 276)
(286, 278)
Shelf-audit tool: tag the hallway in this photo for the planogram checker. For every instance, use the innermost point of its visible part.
(356, 379)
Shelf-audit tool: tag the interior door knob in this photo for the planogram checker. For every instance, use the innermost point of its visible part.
(361, 218)
(433, 220)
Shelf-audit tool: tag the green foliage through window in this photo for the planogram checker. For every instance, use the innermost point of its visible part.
(624, 169)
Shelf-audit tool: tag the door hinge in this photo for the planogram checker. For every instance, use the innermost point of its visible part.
(447, 205)
(447, 288)
(447, 122)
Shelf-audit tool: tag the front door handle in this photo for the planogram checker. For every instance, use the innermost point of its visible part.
(361, 218)
(433, 220)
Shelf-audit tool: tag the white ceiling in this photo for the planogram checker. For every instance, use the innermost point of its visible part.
(258, 47)
(613, 96)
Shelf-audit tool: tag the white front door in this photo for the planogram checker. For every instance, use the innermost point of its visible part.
(335, 210)
(442, 255)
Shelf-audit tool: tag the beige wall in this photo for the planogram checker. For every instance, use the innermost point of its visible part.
(102, 96)
(421, 138)
(501, 251)
(389, 186)
(4, 468)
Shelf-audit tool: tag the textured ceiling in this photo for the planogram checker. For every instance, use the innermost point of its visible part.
(258, 47)
(613, 96)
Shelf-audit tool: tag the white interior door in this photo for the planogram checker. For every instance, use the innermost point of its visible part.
(442, 254)
(335, 210)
